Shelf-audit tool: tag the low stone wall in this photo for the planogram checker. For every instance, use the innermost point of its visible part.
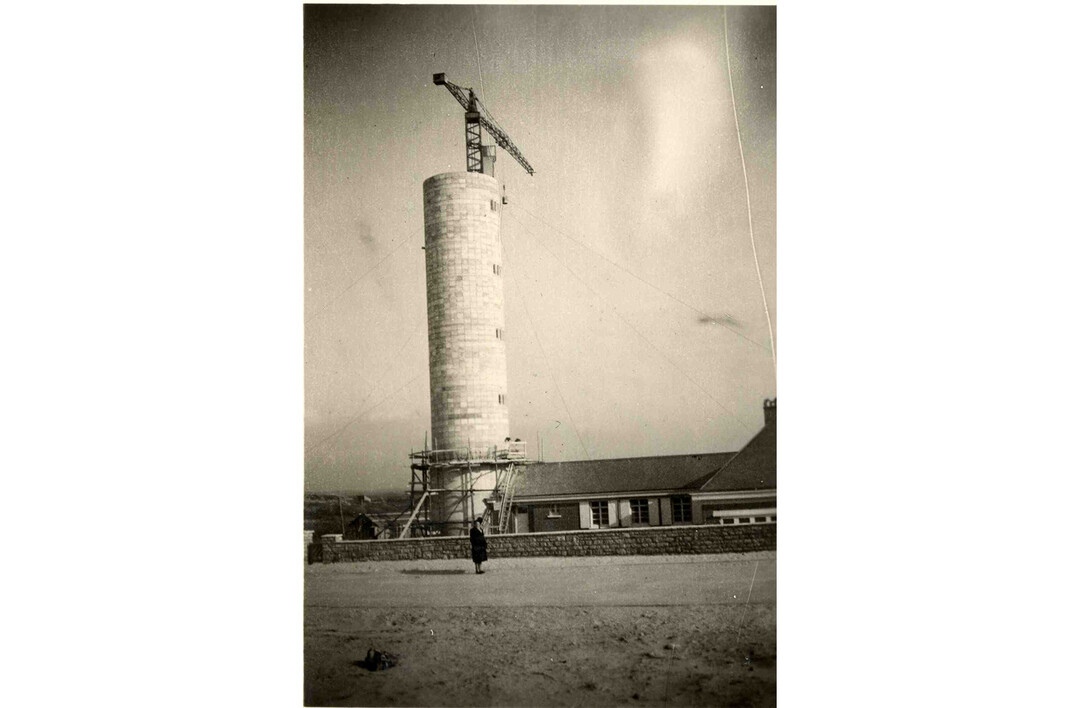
(650, 541)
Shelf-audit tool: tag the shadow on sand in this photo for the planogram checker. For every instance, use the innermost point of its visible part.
(434, 572)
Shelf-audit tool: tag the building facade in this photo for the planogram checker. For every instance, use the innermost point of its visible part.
(727, 488)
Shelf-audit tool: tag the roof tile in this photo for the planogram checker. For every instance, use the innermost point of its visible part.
(753, 468)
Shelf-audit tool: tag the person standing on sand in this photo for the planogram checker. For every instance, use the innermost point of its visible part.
(479, 545)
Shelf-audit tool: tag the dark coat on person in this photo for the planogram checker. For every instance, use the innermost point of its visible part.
(479, 545)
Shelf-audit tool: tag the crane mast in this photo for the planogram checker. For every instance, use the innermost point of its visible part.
(477, 116)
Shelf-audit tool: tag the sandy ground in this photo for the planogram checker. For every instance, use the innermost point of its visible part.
(685, 630)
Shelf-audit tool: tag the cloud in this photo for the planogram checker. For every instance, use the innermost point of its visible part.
(722, 320)
(679, 82)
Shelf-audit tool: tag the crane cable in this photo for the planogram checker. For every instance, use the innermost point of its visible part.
(476, 43)
(483, 95)
(638, 277)
(326, 305)
(632, 327)
(746, 183)
(394, 361)
(551, 371)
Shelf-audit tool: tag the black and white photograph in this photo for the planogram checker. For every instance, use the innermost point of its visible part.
(488, 300)
(540, 351)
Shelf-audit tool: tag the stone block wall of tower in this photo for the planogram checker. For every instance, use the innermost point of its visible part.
(466, 328)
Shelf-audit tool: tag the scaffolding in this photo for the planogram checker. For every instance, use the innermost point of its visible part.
(434, 473)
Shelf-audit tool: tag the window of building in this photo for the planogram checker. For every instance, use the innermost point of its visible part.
(496, 269)
(553, 512)
(493, 205)
(639, 511)
(498, 333)
(502, 398)
(727, 520)
(599, 513)
(680, 509)
(761, 519)
(744, 519)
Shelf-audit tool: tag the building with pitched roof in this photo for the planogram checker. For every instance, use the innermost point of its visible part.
(712, 488)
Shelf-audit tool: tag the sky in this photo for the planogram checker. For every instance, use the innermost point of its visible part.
(634, 317)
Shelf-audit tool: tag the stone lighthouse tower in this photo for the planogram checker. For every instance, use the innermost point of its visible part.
(467, 349)
(470, 420)
(470, 469)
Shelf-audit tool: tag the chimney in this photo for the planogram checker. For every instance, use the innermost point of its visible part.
(770, 411)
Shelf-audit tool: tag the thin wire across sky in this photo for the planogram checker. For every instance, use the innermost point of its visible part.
(396, 359)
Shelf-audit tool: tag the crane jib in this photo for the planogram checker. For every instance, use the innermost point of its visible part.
(477, 112)
(505, 143)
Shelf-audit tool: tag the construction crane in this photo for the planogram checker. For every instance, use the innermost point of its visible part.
(477, 159)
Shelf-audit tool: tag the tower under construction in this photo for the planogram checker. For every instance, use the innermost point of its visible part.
(469, 470)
